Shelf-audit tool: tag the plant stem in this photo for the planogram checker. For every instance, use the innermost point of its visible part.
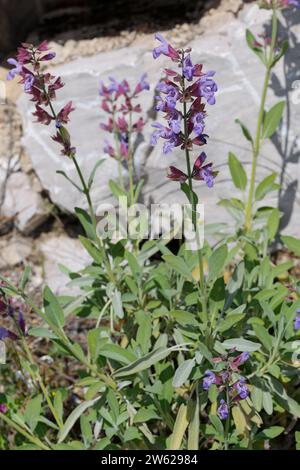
(257, 144)
(19, 429)
(192, 198)
(39, 379)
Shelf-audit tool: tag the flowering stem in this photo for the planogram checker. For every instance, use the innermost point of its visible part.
(192, 197)
(258, 138)
(130, 161)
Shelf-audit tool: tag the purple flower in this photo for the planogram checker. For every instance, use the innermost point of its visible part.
(239, 360)
(142, 85)
(163, 132)
(242, 388)
(175, 122)
(4, 333)
(16, 70)
(208, 87)
(171, 143)
(3, 408)
(297, 320)
(165, 48)
(188, 68)
(223, 410)
(199, 124)
(28, 82)
(203, 173)
(210, 379)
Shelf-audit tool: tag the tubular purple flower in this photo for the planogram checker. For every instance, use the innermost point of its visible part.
(210, 379)
(199, 124)
(208, 87)
(223, 410)
(242, 388)
(28, 82)
(188, 68)
(175, 121)
(3, 408)
(142, 85)
(165, 48)
(16, 70)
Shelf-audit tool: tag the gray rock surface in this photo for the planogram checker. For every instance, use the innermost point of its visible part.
(59, 250)
(239, 76)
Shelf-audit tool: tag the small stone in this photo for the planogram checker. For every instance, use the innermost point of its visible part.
(23, 203)
(14, 251)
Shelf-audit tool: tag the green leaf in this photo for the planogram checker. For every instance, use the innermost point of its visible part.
(236, 279)
(93, 172)
(40, 332)
(91, 248)
(266, 186)
(73, 417)
(184, 318)
(284, 48)
(94, 337)
(270, 433)
(267, 403)
(183, 372)
(217, 424)
(263, 336)
(292, 244)
(117, 304)
(217, 261)
(146, 361)
(116, 189)
(180, 427)
(245, 131)
(272, 120)
(241, 344)
(33, 411)
(257, 50)
(86, 222)
(116, 353)
(53, 310)
(60, 172)
(145, 414)
(179, 265)
(25, 278)
(58, 404)
(229, 321)
(273, 224)
(238, 174)
(192, 196)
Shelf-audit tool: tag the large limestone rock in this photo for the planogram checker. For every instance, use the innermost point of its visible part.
(239, 76)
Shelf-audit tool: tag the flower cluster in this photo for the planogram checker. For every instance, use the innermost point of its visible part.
(184, 127)
(15, 312)
(118, 102)
(42, 87)
(297, 320)
(268, 4)
(228, 380)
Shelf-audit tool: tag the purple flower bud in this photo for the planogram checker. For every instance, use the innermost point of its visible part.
(223, 410)
(142, 85)
(209, 380)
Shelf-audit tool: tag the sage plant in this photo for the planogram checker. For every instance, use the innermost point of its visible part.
(183, 94)
(118, 102)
